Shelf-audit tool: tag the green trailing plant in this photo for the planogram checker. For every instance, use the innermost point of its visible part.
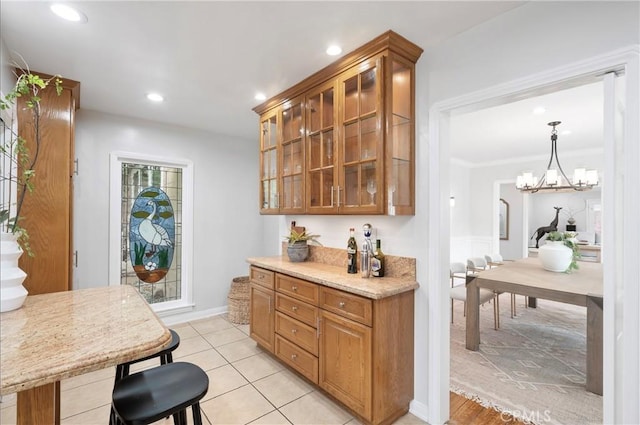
(568, 239)
(295, 236)
(18, 162)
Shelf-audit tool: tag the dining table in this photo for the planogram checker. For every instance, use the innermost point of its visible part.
(58, 335)
(582, 287)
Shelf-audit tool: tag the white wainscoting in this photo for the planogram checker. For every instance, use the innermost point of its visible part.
(463, 247)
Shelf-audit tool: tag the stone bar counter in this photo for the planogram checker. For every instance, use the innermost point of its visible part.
(58, 335)
(328, 267)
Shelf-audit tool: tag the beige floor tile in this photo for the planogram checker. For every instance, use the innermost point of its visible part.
(209, 359)
(99, 415)
(239, 350)
(273, 418)
(410, 419)
(224, 336)
(243, 328)
(86, 397)
(282, 387)
(240, 406)
(190, 346)
(223, 380)
(257, 366)
(314, 408)
(87, 378)
(210, 324)
(184, 330)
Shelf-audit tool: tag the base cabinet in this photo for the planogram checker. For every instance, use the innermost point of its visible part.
(358, 350)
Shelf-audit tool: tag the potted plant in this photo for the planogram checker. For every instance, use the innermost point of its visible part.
(299, 238)
(18, 164)
(560, 252)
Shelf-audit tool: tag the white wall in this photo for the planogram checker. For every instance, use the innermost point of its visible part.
(7, 80)
(227, 226)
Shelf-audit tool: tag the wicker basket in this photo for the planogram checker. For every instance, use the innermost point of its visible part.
(238, 300)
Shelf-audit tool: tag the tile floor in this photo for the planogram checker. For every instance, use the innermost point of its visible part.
(246, 385)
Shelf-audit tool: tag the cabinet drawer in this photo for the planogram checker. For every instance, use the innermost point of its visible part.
(298, 289)
(262, 277)
(297, 309)
(297, 358)
(347, 305)
(297, 332)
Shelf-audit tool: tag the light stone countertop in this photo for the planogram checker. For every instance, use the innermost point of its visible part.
(337, 277)
(58, 335)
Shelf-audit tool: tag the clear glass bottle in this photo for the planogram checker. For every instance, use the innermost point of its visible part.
(377, 262)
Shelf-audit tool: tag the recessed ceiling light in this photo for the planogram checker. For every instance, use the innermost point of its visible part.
(69, 13)
(334, 50)
(539, 110)
(155, 97)
(260, 96)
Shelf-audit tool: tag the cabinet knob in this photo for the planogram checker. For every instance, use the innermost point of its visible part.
(294, 356)
(341, 304)
(294, 288)
(294, 308)
(294, 331)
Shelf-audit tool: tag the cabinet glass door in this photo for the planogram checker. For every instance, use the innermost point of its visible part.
(400, 174)
(269, 164)
(361, 154)
(321, 151)
(292, 148)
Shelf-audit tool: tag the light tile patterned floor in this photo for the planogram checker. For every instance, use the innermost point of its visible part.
(246, 384)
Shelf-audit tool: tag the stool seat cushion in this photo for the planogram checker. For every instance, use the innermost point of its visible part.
(153, 394)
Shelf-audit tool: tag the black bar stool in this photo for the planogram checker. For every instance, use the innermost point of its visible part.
(166, 356)
(152, 394)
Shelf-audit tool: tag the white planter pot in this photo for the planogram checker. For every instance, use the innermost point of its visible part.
(12, 293)
(555, 256)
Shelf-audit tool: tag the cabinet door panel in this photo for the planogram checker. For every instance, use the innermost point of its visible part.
(261, 306)
(345, 362)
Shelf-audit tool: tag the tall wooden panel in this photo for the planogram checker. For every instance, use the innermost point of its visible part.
(47, 213)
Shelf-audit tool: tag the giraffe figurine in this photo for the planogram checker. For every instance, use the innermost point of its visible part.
(552, 227)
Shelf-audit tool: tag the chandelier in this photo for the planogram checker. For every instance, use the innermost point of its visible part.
(583, 179)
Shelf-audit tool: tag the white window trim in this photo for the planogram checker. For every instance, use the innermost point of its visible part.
(115, 250)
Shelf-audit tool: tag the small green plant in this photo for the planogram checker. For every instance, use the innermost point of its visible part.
(163, 258)
(568, 240)
(139, 249)
(295, 236)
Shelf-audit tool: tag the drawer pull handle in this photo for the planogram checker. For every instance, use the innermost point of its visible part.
(294, 308)
(294, 288)
(293, 331)
(341, 304)
(294, 356)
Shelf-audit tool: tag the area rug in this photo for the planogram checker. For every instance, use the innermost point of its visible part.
(533, 367)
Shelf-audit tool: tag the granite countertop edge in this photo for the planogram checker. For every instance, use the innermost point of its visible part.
(337, 278)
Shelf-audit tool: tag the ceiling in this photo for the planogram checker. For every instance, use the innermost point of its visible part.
(209, 58)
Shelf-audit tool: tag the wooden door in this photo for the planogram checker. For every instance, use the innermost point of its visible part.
(345, 362)
(47, 212)
(291, 195)
(269, 163)
(262, 311)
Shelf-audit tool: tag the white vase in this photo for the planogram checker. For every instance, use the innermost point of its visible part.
(555, 256)
(12, 293)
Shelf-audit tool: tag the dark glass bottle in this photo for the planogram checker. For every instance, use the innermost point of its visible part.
(377, 262)
(352, 248)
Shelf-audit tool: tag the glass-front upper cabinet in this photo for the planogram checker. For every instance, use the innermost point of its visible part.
(269, 163)
(361, 154)
(321, 151)
(291, 200)
(400, 139)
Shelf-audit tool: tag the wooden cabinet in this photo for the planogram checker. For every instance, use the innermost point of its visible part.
(327, 335)
(262, 307)
(48, 212)
(353, 124)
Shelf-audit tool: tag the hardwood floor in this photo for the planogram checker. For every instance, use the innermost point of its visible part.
(468, 412)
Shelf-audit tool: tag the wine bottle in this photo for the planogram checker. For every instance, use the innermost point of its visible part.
(352, 248)
(377, 262)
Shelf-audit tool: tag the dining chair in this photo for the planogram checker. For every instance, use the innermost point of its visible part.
(496, 260)
(459, 292)
(478, 264)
